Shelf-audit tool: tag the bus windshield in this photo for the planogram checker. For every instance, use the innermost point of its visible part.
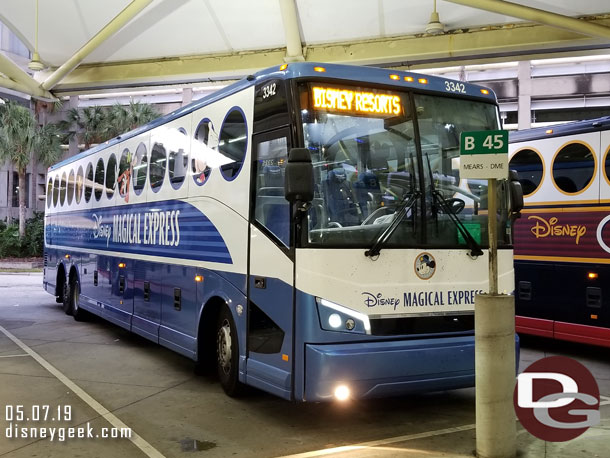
(382, 155)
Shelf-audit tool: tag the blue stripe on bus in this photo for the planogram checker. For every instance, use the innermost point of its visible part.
(169, 229)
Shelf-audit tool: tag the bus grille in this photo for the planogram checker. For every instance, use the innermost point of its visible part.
(422, 325)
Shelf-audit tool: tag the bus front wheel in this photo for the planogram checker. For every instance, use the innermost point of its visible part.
(227, 354)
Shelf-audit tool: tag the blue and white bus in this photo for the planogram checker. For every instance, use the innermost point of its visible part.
(304, 230)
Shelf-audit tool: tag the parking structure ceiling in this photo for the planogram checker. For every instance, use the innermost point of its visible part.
(83, 46)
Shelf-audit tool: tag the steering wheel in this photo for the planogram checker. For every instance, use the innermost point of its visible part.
(456, 205)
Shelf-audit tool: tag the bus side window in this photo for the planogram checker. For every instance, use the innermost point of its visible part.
(272, 210)
(203, 151)
(233, 143)
(178, 158)
(158, 164)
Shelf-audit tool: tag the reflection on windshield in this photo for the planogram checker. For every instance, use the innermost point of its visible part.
(366, 167)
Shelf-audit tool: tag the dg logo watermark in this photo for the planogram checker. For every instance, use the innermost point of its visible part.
(557, 399)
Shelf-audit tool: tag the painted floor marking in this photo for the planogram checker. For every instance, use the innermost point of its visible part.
(14, 356)
(137, 440)
(371, 444)
(604, 400)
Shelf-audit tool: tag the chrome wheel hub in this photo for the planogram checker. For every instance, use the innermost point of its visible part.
(224, 346)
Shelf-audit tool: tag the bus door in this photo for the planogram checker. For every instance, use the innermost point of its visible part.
(146, 293)
(270, 270)
(118, 304)
(581, 298)
(603, 279)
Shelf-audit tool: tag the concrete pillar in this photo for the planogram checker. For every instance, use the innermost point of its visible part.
(187, 96)
(524, 83)
(4, 202)
(9, 195)
(495, 375)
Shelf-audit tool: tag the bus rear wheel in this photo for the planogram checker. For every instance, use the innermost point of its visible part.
(227, 354)
(66, 297)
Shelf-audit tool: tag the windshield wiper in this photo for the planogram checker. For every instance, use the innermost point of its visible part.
(475, 249)
(401, 211)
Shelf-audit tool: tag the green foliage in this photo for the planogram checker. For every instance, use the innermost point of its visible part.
(96, 124)
(21, 138)
(11, 246)
(17, 134)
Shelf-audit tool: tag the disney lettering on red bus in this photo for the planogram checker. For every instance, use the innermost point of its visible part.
(551, 228)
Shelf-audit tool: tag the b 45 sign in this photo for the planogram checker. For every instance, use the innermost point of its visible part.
(484, 154)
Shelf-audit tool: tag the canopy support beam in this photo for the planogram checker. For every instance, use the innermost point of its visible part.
(132, 10)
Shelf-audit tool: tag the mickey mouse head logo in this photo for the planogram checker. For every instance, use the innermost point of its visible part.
(425, 266)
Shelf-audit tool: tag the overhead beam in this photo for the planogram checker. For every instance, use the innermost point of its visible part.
(540, 16)
(499, 44)
(130, 11)
(17, 32)
(19, 80)
(290, 18)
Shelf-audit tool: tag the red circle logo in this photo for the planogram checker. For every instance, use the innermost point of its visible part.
(557, 399)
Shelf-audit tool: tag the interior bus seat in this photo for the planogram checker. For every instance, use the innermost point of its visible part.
(341, 204)
(368, 192)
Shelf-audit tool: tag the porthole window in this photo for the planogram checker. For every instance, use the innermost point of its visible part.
(530, 169)
(202, 151)
(98, 186)
(232, 143)
(79, 185)
(62, 189)
(178, 159)
(607, 165)
(71, 181)
(124, 173)
(158, 164)
(111, 176)
(140, 170)
(56, 191)
(573, 168)
(49, 192)
(88, 182)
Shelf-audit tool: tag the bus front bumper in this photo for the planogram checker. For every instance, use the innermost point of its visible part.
(380, 369)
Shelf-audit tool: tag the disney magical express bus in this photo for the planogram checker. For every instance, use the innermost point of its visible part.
(304, 231)
(562, 241)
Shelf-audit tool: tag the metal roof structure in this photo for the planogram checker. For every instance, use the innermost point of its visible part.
(88, 46)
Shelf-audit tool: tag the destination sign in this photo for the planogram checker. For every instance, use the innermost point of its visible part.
(359, 102)
(484, 154)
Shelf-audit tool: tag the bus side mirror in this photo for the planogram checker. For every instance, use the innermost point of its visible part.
(516, 194)
(298, 182)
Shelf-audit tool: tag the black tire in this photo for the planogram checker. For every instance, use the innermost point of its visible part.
(78, 313)
(227, 354)
(65, 295)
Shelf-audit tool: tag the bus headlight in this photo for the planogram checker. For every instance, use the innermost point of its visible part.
(342, 393)
(335, 317)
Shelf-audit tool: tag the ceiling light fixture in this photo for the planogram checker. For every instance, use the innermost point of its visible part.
(435, 26)
(36, 64)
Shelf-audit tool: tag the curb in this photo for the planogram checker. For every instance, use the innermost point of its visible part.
(21, 273)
